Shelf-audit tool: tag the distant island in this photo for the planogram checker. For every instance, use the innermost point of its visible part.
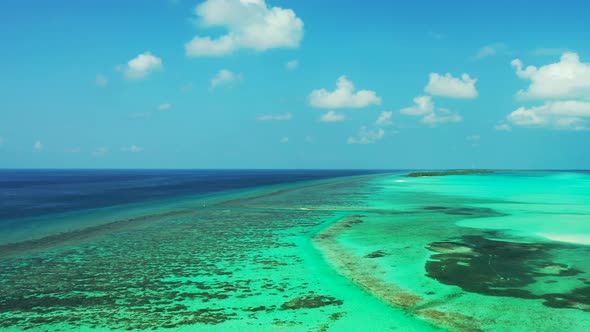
(451, 172)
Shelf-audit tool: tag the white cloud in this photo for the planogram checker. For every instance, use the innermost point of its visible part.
(332, 116)
(224, 77)
(526, 117)
(441, 116)
(503, 127)
(101, 151)
(473, 138)
(205, 46)
(343, 97)
(284, 140)
(292, 65)
(431, 115)
(133, 149)
(275, 117)
(565, 115)
(141, 66)
(568, 78)
(250, 24)
(366, 136)
(101, 80)
(449, 86)
(164, 107)
(489, 50)
(424, 105)
(38, 146)
(384, 119)
(563, 86)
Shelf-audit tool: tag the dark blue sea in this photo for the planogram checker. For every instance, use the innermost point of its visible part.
(32, 193)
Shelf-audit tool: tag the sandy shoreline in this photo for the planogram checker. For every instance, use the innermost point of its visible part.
(568, 238)
(365, 274)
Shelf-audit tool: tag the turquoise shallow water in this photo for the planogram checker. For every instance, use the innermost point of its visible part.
(497, 252)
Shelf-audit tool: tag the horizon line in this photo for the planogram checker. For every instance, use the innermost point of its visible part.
(287, 169)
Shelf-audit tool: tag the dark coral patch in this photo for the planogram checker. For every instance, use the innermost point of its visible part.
(579, 298)
(310, 301)
(376, 254)
(464, 211)
(501, 268)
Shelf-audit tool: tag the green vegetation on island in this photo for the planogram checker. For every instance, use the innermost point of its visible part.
(450, 172)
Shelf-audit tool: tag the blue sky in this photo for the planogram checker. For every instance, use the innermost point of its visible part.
(294, 84)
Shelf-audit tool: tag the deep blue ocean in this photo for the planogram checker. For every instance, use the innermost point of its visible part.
(30, 193)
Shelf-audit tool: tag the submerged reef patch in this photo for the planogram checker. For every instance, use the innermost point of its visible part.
(189, 269)
(310, 301)
(502, 268)
(473, 212)
(376, 254)
(237, 259)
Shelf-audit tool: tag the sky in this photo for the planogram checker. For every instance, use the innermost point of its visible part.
(295, 84)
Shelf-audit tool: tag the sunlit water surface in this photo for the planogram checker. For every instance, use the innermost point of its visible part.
(495, 252)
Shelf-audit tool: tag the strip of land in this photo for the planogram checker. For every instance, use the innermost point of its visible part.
(364, 274)
(450, 172)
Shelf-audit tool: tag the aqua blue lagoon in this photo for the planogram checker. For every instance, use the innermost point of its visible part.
(294, 251)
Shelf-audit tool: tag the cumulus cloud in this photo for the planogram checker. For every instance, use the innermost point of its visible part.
(384, 119)
(332, 116)
(423, 105)
(224, 77)
(284, 140)
(453, 87)
(133, 149)
(275, 117)
(565, 115)
(141, 66)
(38, 146)
(564, 88)
(164, 107)
(366, 136)
(292, 65)
(526, 117)
(101, 80)
(250, 24)
(568, 78)
(441, 116)
(344, 96)
(431, 115)
(439, 85)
